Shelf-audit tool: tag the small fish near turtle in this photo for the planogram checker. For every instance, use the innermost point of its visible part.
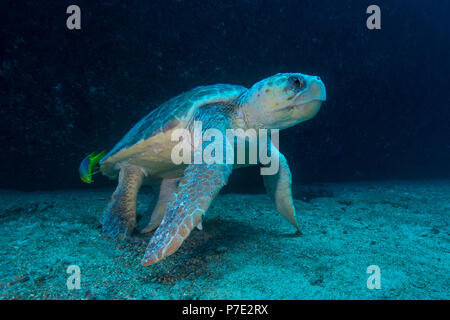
(143, 156)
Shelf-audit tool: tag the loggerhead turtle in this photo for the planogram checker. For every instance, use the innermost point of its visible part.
(143, 156)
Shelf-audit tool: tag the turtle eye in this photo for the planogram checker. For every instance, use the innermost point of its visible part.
(296, 83)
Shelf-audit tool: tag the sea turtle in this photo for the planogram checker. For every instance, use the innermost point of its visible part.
(143, 156)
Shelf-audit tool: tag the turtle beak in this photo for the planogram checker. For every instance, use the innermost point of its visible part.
(318, 88)
(315, 91)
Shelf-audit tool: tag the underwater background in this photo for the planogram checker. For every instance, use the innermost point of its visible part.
(370, 172)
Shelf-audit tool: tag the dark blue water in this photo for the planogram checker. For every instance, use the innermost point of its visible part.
(66, 93)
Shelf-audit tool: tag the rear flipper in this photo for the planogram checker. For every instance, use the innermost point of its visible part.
(278, 187)
(186, 208)
(119, 217)
(167, 188)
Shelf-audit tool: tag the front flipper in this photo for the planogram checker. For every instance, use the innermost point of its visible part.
(119, 217)
(196, 190)
(278, 187)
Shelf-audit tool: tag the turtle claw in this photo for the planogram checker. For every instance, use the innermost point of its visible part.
(115, 227)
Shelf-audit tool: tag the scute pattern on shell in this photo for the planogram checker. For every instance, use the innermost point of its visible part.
(170, 113)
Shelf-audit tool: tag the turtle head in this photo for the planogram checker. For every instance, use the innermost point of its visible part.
(283, 100)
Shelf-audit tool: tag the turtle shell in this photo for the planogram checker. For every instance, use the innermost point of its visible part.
(148, 144)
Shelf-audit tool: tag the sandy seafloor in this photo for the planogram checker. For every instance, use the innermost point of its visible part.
(245, 251)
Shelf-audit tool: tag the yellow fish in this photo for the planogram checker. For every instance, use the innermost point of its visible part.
(89, 166)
